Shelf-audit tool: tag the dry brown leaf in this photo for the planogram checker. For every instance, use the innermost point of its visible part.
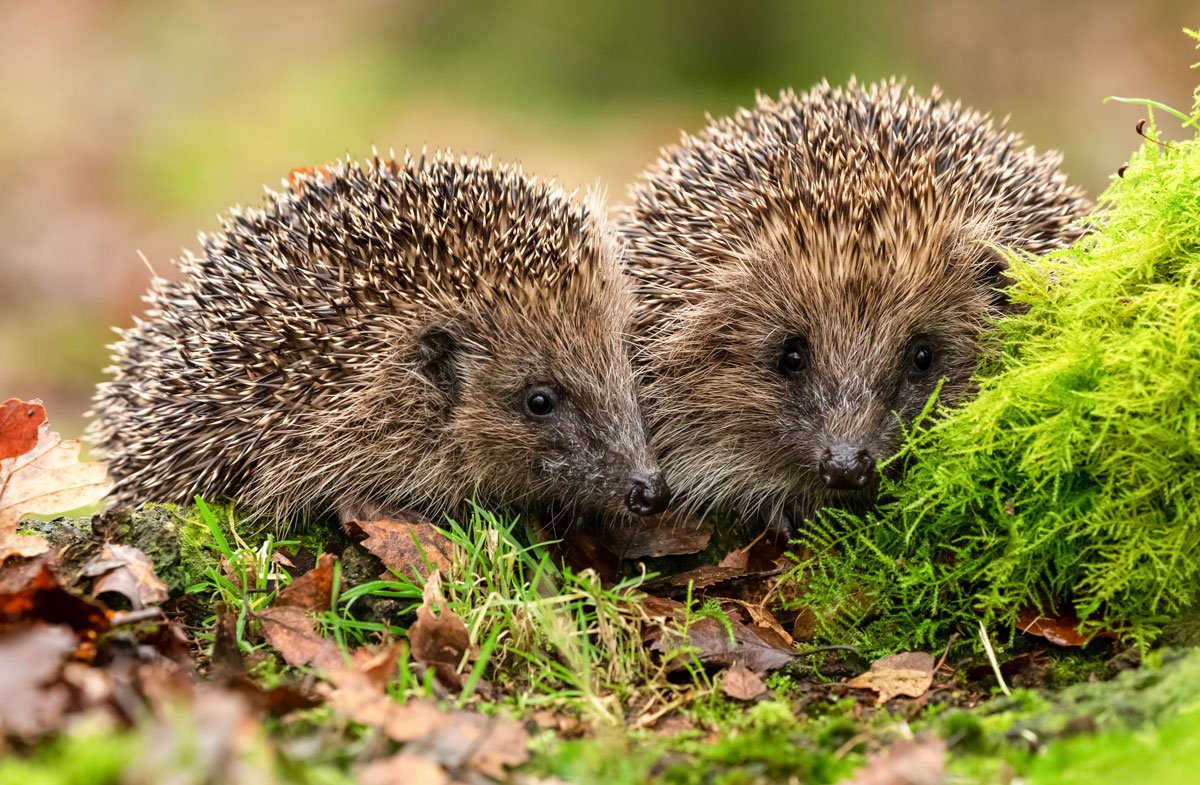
(409, 545)
(32, 698)
(907, 762)
(667, 534)
(19, 424)
(741, 683)
(761, 617)
(216, 732)
(46, 478)
(457, 740)
(362, 699)
(909, 674)
(710, 642)
(407, 769)
(1060, 630)
(30, 591)
(483, 744)
(439, 640)
(127, 571)
(293, 633)
(313, 590)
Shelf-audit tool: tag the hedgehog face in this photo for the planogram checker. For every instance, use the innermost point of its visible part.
(809, 268)
(547, 414)
(785, 383)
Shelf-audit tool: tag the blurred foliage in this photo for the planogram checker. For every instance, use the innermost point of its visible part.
(126, 125)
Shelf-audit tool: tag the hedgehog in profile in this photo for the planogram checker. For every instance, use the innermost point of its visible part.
(387, 336)
(809, 270)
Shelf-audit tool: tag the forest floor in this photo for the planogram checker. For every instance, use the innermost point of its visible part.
(170, 646)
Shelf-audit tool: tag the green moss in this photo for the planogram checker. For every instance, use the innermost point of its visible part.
(86, 758)
(1071, 483)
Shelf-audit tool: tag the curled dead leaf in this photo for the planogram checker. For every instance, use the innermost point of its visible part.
(1061, 630)
(127, 571)
(438, 638)
(670, 533)
(32, 698)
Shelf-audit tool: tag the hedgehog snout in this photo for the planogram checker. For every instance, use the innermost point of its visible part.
(846, 467)
(648, 494)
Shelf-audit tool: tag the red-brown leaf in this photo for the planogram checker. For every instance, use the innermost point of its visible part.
(1059, 630)
(408, 545)
(313, 590)
(293, 633)
(19, 424)
(439, 640)
(741, 683)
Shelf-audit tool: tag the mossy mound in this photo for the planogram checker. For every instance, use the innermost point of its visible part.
(1071, 484)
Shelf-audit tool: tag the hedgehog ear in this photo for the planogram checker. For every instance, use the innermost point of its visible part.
(993, 273)
(438, 353)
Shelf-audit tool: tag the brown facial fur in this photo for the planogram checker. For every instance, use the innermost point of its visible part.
(860, 224)
(370, 338)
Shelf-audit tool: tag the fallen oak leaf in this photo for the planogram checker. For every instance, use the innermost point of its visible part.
(127, 571)
(19, 424)
(46, 478)
(741, 683)
(313, 590)
(457, 740)
(909, 674)
(409, 545)
(361, 698)
(483, 744)
(763, 618)
(293, 633)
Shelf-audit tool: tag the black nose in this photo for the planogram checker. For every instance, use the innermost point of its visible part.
(845, 467)
(648, 495)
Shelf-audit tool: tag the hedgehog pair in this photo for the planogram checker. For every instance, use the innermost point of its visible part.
(800, 279)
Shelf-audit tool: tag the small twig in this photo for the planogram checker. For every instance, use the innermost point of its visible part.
(946, 653)
(122, 618)
(987, 647)
(828, 648)
(647, 720)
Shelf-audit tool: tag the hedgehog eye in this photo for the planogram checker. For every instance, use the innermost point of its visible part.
(920, 359)
(540, 402)
(794, 359)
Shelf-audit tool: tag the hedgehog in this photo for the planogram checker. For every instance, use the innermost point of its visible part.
(388, 336)
(809, 271)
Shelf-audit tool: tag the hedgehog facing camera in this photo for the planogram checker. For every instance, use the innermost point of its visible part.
(388, 336)
(810, 270)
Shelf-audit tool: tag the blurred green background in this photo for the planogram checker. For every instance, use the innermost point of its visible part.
(125, 127)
